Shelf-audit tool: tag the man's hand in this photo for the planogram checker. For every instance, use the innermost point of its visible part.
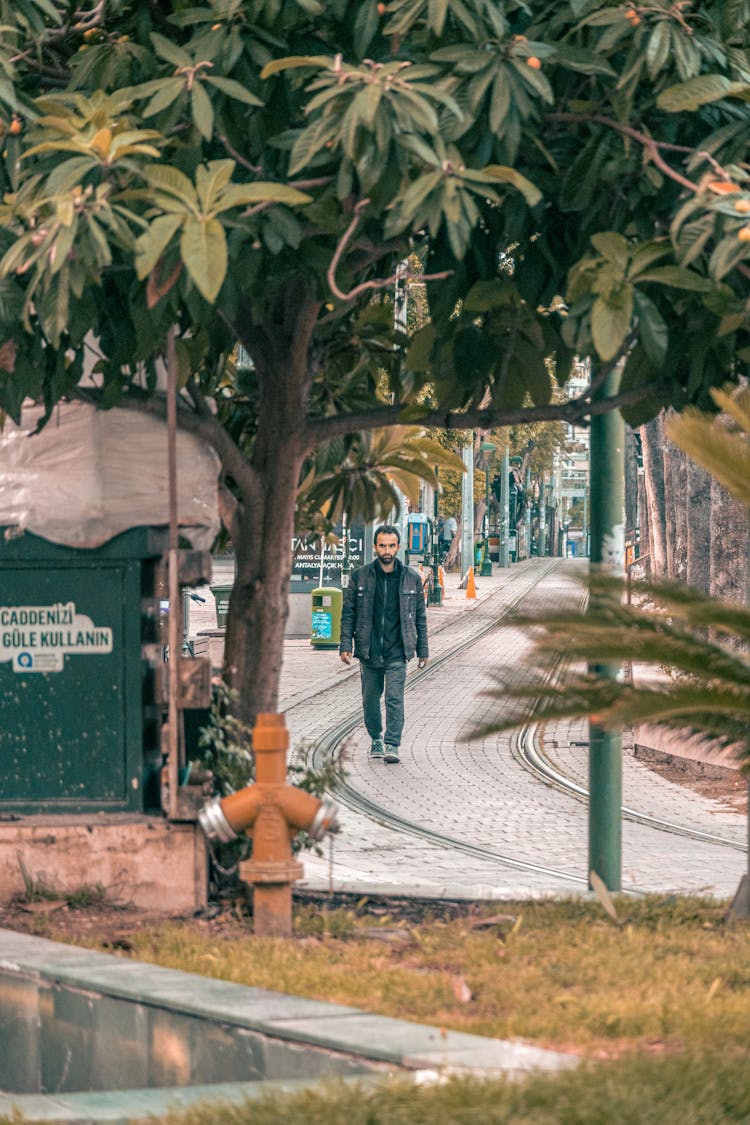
(422, 661)
(346, 657)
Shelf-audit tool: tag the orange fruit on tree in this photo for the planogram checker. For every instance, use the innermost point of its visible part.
(744, 234)
(722, 187)
(533, 62)
(743, 206)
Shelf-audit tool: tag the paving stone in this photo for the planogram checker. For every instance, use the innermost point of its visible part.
(473, 789)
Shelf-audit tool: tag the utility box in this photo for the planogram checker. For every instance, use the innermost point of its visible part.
(418, 534)
(326, 617)
(79, 644)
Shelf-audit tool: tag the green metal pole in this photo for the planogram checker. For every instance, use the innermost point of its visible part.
(504, 510)
(436, 592)
(607, 518)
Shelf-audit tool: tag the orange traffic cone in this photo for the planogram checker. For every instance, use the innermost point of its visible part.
(471, 589)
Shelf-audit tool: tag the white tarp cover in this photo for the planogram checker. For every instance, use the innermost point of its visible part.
(92, 474)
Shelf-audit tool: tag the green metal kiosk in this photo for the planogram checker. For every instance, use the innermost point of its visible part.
(79, 648)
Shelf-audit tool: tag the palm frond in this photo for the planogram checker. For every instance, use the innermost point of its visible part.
(723, 450)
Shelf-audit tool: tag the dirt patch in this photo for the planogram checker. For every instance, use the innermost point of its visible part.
(727, 786)
(111, 928)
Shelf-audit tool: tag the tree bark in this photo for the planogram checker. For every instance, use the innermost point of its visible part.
(729, 531)
(675, 487)
(652, 445)
(631, 482)
(264, 518)
(698, 572)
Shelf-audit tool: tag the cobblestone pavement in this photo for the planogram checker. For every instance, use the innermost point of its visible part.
(470, 788)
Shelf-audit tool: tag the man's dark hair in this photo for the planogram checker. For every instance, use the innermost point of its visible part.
(387, 529)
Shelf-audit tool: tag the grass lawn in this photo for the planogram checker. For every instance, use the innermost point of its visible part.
(656, 1002)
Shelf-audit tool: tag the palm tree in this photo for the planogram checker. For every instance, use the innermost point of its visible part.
(702, 643)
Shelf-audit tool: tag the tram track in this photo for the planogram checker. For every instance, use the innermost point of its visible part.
(525, 750)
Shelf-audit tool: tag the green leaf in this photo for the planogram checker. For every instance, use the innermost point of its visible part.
(677, 278)
(169, 51)
(170, 90)
(486, 295)
(613, 247)
(203, 112)
(694, 93)
(240, 195)
(610, 323)
(153, 242)
(499, 101)
(210, 181)
(165, 178)
(204, 251)
(582, 60)
(529, 191)
(652, 327)
(657, 50)
(420, 349)
(437, 10)
(294, 62)
(645, 255)
(728, 254)
(233, 89)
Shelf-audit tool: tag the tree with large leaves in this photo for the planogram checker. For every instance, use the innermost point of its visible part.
(571, 178)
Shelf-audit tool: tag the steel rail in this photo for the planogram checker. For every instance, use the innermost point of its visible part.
(524, 750)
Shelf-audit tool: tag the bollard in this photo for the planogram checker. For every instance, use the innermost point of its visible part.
(271, 811)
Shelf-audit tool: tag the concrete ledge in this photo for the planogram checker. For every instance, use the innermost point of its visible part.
(697, 755)
(357, 1038)
(140, 860)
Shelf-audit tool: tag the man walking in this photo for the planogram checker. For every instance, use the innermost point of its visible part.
(384, 624)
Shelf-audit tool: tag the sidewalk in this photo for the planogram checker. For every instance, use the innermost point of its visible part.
(308, 671)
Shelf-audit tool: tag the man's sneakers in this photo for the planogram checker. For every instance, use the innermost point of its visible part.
(377, 750)
(384, 752)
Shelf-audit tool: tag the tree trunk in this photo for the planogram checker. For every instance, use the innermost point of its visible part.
(643, 522)
(259, 603)
(675, 489)
(652, 444)
(698, 572)
(264, 520)
(729, 531)
(631, 483)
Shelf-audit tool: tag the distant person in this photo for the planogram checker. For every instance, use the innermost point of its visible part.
(450, 527)
(384, 624)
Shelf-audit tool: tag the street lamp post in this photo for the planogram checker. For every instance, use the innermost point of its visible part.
(487, 447)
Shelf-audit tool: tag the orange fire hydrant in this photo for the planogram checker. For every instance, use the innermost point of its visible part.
(271, 812)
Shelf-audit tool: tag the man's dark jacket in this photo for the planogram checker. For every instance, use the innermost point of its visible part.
(356, 612)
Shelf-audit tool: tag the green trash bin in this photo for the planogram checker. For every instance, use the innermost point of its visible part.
(326, 617)
(221, 595)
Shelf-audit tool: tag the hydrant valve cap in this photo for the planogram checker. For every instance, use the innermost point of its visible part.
(325, 820)
(214, 824)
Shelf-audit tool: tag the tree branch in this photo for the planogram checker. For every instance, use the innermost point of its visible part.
(652, 146)
(577, 410)
(376, 283)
